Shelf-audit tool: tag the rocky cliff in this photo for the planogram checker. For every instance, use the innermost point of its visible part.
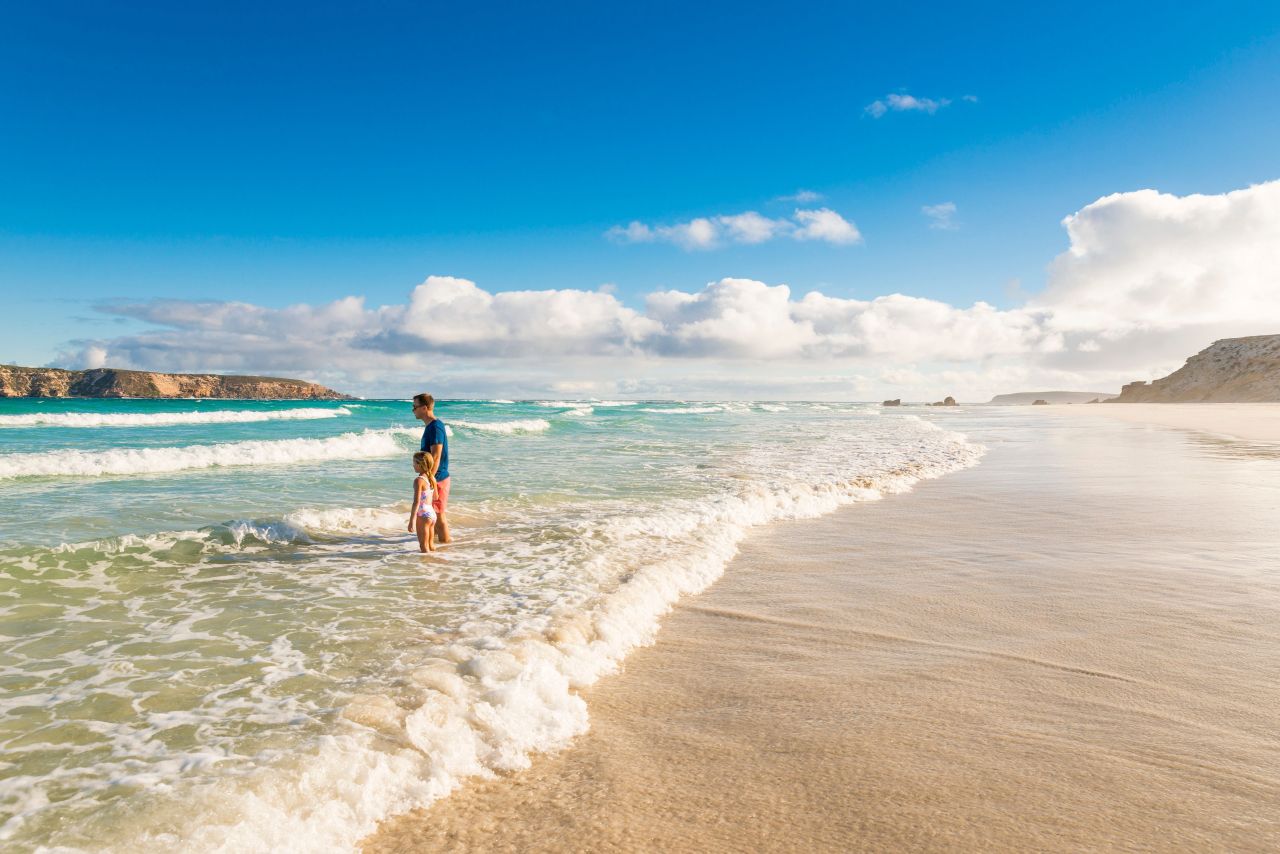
(1233, 370)
(109, 382)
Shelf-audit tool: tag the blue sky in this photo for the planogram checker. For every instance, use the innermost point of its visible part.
(306, 153)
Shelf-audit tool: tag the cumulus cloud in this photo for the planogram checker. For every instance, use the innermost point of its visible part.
(745, 228)
(941, 215)
(445, 316)
(1154, 261)
(751, 227)
(454, 316)
(1147, 279)
(825, 224)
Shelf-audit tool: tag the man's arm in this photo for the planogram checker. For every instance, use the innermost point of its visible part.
(435, 451)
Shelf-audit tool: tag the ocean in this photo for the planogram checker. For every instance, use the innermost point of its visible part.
(218, 634)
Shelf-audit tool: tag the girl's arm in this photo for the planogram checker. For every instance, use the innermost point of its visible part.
(417, 496)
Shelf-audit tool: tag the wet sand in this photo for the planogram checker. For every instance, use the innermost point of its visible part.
(1258, 422)
(1070, 647)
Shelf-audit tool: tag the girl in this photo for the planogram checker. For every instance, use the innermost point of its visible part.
(422, 516)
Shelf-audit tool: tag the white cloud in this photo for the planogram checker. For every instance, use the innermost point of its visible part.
(901, 102)
(908, 103)
(941, 215)
(745, 228)
(1147, 261)
(452, 317)
(94, 357)
(700, 233)
(801, 197)
(1147, 279)
(825, 224)
(730, 318)
(634, 232)
(751, 227)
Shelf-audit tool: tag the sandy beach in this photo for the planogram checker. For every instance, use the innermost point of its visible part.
(1069, 647)
(1259, 422)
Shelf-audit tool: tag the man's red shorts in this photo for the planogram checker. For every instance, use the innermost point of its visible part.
(441, 501)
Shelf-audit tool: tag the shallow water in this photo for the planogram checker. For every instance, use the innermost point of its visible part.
(218, 635)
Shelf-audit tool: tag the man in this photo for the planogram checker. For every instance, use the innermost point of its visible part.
(435, 441)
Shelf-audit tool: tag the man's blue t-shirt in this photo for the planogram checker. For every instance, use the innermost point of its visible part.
(435, 434)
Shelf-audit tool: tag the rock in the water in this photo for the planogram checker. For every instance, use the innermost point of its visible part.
(947, 401)
(110, 382)
(897, 401)
(1232, 370)
(1040, 402)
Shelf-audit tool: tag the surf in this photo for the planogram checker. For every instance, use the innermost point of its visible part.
(165, 419)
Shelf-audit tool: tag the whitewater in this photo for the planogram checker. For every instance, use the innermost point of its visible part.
(217, 635)
(164, 419)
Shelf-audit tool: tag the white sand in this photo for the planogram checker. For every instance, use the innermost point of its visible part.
(1258, 422)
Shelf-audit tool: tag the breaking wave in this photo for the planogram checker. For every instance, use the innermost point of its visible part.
(369, 444)
(528, 425)
(164, 419)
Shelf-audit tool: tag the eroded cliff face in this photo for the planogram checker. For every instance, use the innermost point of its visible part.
(110, 382)
(1233, 370)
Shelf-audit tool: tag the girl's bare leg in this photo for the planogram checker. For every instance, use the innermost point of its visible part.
(431, 537)
(424, 529)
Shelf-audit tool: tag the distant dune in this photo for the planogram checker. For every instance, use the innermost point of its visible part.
(110, 382)
(1232, 370)
(1026, 398)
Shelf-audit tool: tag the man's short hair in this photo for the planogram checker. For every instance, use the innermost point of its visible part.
(424, 399)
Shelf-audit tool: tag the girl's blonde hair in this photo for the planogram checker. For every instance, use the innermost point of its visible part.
(422, 460)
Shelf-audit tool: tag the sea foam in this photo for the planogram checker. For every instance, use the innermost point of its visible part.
(165, 419)
(527, 425)
(126, 461)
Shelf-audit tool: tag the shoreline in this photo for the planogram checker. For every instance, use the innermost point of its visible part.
(876, 680)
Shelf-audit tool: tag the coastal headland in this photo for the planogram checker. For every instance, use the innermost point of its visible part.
(1230, 370)
(116, 383)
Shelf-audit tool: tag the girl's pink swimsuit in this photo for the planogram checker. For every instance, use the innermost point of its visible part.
(424, 500)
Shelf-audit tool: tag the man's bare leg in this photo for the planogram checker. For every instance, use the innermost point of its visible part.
(442, 530)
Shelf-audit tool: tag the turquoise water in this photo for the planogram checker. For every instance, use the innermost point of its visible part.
(218, 634)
